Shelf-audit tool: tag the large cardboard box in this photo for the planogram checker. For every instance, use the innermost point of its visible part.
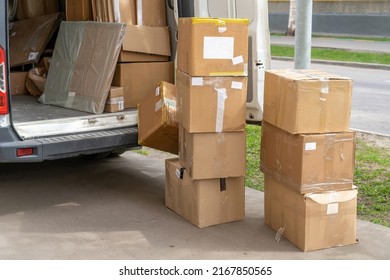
(203, 202)
(213, 155)
(115, 100)
(29, 37)
(35, 8)
(82, 69)
(151, 13)
(157, 123)
(146, 39)
(17, 83)
(140, 79)
(307, 101)
(313, 221)
(308, 162)
(121, 11)
(213, 47)
(212, 104)
(77, 10)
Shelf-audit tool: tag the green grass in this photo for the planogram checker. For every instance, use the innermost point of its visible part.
(372, 177)
(335, 55)
(373, 39)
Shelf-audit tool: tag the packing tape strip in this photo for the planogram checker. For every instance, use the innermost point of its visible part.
(139, 12)
(221, 96)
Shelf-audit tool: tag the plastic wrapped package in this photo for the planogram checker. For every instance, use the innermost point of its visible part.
(83, 65)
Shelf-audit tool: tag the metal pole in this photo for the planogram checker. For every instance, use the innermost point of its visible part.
(303, 31)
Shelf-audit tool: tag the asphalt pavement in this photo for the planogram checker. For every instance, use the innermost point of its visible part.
(115, 209)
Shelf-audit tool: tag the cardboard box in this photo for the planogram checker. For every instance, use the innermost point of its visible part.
(115, 100)
(125, 56)
(307, 101)
(308, 162)
(120, 11)
(17, 84)
(82, 69)
(29, 37)
(140, 79)
(34, 8)
(213, 47)
(151, 13)
(212, 104)
(146, 39)
(203, 202)
(77, 10)
(157, 123)
(313, 221)
(213, 155)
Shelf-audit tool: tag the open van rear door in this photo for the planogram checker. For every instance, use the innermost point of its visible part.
(259, 43)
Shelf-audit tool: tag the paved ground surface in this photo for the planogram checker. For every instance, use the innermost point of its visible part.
(114, 209)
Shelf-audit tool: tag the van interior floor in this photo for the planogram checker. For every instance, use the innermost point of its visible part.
(27, 108)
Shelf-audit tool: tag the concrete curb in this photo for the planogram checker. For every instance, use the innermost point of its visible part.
(340, 63)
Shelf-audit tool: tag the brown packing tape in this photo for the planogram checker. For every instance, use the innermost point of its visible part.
(220, 163)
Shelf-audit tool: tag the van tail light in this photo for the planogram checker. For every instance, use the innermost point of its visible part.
(3, 84)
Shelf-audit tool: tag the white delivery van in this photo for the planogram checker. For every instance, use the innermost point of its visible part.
(31, 131)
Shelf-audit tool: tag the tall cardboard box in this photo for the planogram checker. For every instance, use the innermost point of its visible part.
(35, 8)
(78, 10)
(203, 202)
(140, 79)
(17, 83)
(151, 13)
(213, 155)
(307, 101)
(308, 162)
(157, 123)
(212, 104)
(213, 46)
(313, 221)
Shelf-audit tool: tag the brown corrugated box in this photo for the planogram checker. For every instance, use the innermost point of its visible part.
(213, 47)
(146, 39)
(212, 104)
(125, 56)
(308, 162)
(157, 123)
(213, 155)
(307, 101)
(78, 10)
(73, 80)
(140, 79)
(29, 37)
(203, 202)
(35, 8)
(151, 13)
(18, 83)
(313, 221)
(115, 100)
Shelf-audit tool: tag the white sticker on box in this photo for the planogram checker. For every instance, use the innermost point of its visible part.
(332, 208)
(197, 81)
(121, 105)
(218, 47)
(158, 105)
(33, 55)
(157, 91)
(311, 146)
(222, 29)
(237, 60)
(236, 85)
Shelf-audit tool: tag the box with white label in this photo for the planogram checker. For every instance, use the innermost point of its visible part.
(211, 104)
(213, 46)
(313, 221)
(308, 162)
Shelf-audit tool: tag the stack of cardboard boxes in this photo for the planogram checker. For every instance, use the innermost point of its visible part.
(307, 156)
(206, 184)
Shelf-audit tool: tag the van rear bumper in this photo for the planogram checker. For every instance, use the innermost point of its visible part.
(64, 146)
